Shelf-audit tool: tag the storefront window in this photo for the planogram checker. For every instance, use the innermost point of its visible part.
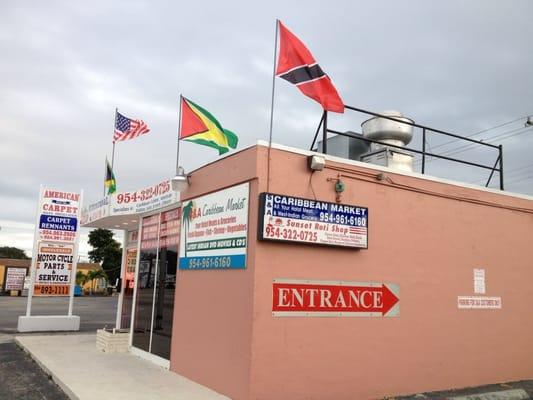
(156, 283)
(128, 278)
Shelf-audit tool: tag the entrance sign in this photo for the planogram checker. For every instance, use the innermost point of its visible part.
(307, 298)
(294, 219)
(214, 230)
(53, 269)
(15, 278)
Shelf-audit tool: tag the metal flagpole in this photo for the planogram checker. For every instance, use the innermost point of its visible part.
(105, 173)
(179, 133)
(272, 102)
(113, 154)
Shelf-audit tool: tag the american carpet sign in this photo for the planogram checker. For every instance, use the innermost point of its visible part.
(55, 242)
(214, 230)
(294, 219)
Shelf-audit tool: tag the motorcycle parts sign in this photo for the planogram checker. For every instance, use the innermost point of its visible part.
(53, 269)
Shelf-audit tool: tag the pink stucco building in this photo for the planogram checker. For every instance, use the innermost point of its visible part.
(456, 259)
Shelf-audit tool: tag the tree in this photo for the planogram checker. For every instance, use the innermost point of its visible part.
(106, 251)
(81, 278)
(94, 275)
(13, 252)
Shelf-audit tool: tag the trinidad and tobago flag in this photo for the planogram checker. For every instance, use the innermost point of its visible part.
(297, 65)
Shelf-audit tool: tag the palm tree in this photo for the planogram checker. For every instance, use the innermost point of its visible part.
(187, 216)
(81, 278)
(94, 275)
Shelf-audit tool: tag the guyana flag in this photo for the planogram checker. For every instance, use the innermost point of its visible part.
(110, 182)
(199, 126)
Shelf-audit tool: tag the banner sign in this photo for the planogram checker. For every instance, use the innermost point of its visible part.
(293, 219)
(15, 278)
(55, 242)
(143, 200)
(306, 298)
(214, 230)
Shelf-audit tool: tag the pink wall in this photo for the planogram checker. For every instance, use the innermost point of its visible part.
(428, 245)
(424, 236)
(212, 324)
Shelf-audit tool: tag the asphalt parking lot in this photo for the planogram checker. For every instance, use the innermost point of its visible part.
(95, 312)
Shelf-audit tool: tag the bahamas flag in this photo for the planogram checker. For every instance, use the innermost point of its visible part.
(110, 182)
(199, 126)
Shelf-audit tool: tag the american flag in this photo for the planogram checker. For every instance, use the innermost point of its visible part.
(126, 128)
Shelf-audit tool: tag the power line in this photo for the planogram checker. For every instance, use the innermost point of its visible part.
(482, 131)
(501, 136)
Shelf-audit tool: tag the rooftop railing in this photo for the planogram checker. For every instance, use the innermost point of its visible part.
(426, 131)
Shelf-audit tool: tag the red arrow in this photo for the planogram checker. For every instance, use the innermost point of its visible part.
(389, 299)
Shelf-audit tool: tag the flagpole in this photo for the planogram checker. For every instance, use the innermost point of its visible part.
(179, 134)
(113, 153)
(272, 102)
(105, 173)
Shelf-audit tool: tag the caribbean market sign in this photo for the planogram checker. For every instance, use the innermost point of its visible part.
(293, 219)
(307, 298)
(214, 230)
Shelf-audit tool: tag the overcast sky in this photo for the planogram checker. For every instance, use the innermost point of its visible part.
(460, 66)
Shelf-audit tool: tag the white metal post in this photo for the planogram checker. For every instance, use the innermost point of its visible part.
(136, 281)
(34, 252)
(123, 266)
(75, 255)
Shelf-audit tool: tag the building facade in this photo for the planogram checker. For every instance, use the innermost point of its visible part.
(352, 282)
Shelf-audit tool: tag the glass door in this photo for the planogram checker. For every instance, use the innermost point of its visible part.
(156, 283)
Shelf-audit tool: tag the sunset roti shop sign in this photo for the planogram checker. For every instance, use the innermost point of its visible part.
(294, 219)
(307, 298)
(214, 230)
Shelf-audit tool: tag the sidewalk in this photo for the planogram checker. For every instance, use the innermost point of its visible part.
(86, 373)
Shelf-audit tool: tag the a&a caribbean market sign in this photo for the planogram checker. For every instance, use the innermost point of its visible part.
(308, 298)
(214, 230)
(55, 242)
(293, 219)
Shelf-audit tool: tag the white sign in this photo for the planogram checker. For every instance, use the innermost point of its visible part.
(15, 278)
(214, 230)
(143, 200)
(53, 269)
(58, 216)
(479, 302)
(94, 211)
(479, 281)
(55, 247)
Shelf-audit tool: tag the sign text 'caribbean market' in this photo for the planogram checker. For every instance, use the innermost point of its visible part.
(306, 298)
(294, 219)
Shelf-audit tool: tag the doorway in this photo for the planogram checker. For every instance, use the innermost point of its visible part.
(156, 283)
